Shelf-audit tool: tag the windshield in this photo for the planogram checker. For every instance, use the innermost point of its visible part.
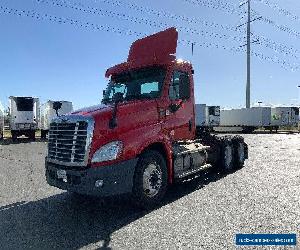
(135, 85)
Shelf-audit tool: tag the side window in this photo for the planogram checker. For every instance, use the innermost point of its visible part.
(118, 88)
(180, 86)
(150, 88)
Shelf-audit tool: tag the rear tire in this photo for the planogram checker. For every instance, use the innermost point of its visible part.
(43, 134)
(240, 152)
(14, 135)
(150, 180)
(32, 135)
(227, 156)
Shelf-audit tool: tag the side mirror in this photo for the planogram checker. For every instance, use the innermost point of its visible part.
(118, 97)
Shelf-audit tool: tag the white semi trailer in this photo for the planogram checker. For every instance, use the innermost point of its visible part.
(207, 117)
(284, 116)
(51, 109)
(24, 116)
(245, 119)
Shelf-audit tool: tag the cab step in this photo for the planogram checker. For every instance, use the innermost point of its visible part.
(193, 171)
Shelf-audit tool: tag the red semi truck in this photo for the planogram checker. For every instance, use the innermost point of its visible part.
(143, 136)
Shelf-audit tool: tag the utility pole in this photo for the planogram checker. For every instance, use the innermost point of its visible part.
(248, 44)
(248, 57)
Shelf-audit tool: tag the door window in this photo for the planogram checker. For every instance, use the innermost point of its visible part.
(180, 86)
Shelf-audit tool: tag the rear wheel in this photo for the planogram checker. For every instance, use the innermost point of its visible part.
(32, 135)
(43, 134)
(227, 156)
(240, 152)
(14, 135)
(150, 179)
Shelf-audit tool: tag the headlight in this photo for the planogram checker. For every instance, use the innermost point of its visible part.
(108, 152)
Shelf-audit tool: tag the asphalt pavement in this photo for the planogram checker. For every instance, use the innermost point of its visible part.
(262, 197)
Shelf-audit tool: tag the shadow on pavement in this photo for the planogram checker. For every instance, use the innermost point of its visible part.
(60, 221)
(8, 141)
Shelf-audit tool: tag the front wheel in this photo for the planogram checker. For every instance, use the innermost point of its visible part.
(150, 179)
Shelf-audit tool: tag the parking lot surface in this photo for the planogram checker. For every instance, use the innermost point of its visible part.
(262, 197)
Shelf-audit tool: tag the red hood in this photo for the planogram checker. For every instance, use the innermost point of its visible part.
(93, 110)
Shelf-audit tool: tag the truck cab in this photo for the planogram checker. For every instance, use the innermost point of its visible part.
(142, 137)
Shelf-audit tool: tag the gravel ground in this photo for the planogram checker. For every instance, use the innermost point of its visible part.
(263, 197)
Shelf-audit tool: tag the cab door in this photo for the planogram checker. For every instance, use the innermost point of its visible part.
(179, 119)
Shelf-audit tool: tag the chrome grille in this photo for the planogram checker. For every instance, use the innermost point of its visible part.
(68, 141)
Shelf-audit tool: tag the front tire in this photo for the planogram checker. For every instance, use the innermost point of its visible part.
(150, 179)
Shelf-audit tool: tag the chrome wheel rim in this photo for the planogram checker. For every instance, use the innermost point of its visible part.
(152, 180)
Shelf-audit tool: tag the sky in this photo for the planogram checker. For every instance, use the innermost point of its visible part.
(60, 49)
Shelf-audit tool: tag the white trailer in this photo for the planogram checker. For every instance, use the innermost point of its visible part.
(284, 116)
(200, 115)
(207, 117)
(48, 112)
(245, 119)
(1, 121)
(24, 116)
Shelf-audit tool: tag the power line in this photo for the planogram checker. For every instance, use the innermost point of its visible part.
(268, 43)
(164, 14)
(281, 10)
(219, 6)
(280, 27)
(128, 32)
(96, 11)
(286, 50)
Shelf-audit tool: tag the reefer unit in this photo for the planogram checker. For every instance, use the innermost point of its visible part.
(200, 114)
(246, 117)
(207, 116)
(284, 116)
(48, 112)
(24, 116)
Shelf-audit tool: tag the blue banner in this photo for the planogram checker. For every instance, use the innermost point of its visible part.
(266, 239)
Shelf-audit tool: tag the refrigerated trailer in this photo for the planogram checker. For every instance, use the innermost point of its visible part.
(48, 112)
(206, 117)
(245, 119)
(284, 116)
(24, 116)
